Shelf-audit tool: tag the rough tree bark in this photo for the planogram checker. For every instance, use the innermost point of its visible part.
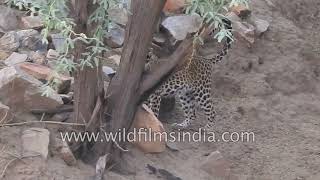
(88, 86)
(124, 88)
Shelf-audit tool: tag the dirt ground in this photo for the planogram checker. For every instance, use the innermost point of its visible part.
(271, 89)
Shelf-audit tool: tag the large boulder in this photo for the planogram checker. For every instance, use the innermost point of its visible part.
(179, 26)
(32, 22)
(147, 123)
(43, 73)
(16, 58)
(8, 19)
(35, 141)
(22, 92)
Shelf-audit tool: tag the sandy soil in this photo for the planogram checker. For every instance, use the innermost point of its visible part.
(271, 89)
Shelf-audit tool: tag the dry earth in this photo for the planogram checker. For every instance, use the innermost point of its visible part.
(271, 89)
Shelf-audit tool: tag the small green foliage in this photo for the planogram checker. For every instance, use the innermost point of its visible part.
(55, 16)
(212, 13)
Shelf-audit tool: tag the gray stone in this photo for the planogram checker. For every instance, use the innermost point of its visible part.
(35, 141)
(4, 55)
(217, 166)
(115, 37)
(25, 39)
(115, 59)
(31, 39)
(9, 41)
(37, 57)
(52, 54)
(260, 24)
(16, 58)
(159, 39)
(108, 71)
(241, 29)
(179, 26)
(58, 41)
(8, 19)
(119, 15)
(22, 92)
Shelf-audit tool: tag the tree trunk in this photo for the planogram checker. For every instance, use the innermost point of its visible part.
(124, 88)
(88, 86)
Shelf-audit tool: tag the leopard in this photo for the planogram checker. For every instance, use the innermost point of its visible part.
(192, 85)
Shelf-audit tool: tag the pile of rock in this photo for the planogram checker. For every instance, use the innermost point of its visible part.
(26, 66)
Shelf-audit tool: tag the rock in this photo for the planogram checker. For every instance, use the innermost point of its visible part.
(16, 58)
(31, 39)
(145, 121)
(242, 11)
(118, 15)
(172, 6)
(159, 39)
(4, 55)
(67, 155)
(9, 41)
(52, 54)
(8, 19)
(115, 37)
(115, 59)
(2, 65)
(233, 17)
(216, 165)
(60, 117)
(35, 141)
(37, 71)
(61, 148)
(37, 57)
(58, 41)
(179, 26)
(261, 26)
(5, 114)
(25, 39)
(242, 30)
(22, 92)
(62, 82)
(172, 146)
(32, 22)
(67, 98)
(108, 71)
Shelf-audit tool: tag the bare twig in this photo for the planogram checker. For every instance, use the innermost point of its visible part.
(95, 112)
(117, 144)
(42, 117)
(121, 148)
(46, 122)
(65, 108)
(5, 116)
(6, 167)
